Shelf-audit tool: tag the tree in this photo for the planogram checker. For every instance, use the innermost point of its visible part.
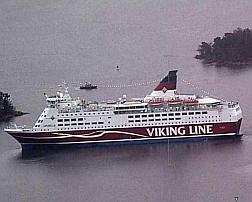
(231, 48)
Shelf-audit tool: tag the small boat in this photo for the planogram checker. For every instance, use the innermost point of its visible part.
(87, 86)
(175, 101)
(156, 102)
(191, 101)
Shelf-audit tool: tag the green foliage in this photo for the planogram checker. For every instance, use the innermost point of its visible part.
(6, 107)
(232, 47)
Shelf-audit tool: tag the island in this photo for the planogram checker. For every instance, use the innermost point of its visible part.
(232, 49)
(7, 110)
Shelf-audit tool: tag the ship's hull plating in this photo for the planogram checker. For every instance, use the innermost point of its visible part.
(143, 134)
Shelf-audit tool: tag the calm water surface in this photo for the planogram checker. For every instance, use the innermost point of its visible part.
(43, 43)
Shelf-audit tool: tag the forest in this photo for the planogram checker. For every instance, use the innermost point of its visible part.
(7, 110)
(232, 48)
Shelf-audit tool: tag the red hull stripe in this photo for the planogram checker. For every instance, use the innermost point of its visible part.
(129, 134)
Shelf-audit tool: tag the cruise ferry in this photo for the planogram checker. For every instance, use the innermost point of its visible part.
(164, 114)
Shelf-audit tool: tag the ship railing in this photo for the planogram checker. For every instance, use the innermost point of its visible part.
(183, 108)
(84, 109)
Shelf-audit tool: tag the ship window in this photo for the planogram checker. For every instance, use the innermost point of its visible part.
(73, 119)
(94, 122)
(164, 119)
(60, 120)
(131, 121)
(191, 113)
(151, 120)
(144, 120)
(80, 123)
(157, 114)
(66, 119)
(197, 113)
(157, 119)
(137, 116)
(171, 114)
(144, 115)
(204, 112)
(67, 124)
(80, 119)
(138, 107)
(87, 123)
(164, 114)
(100, 122)
(171, 119)
(130, 117)
(60, 124)
(178, 118)
(150, 115)
(177, 114)
(109, 117)
(137, 120)
(184, 113)
(73, 124)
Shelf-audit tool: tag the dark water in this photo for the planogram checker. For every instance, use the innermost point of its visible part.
(43, 43)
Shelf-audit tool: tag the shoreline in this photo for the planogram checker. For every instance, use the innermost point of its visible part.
(12, 115)
(225, 63)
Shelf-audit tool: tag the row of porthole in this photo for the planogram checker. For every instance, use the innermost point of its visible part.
(84, 114)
